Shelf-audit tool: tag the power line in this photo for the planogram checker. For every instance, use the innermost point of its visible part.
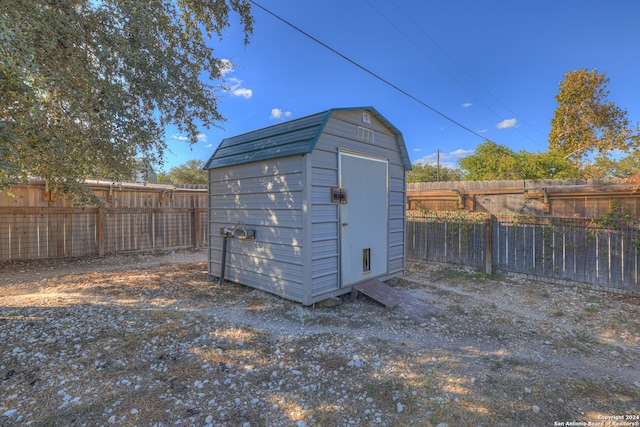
(382, 79)
(425, 53)
(459, 66)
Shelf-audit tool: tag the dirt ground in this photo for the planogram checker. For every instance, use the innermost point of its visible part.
(149, 340)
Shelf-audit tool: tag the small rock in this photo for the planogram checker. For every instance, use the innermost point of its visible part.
(399, 407)
(10, 413)
(535, 408)
(442, 425)
(112, 419)
(527, 390)
(134, 411)
(301, 423)
(355, 362)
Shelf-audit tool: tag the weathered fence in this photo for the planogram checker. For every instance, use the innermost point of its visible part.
(544, 198)
(602, 254)
(39, 233)
(35, 224)
(452, 238)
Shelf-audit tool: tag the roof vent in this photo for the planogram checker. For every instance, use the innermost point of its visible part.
(365, 134)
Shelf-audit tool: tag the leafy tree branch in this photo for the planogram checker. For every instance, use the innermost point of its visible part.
(89, 85)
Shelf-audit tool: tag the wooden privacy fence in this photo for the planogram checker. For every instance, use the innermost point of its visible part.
(38, 233)
(602, 254)
(543, 198)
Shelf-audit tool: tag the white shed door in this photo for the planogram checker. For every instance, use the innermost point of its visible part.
(363, 219)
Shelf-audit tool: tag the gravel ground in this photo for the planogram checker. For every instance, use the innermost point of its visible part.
(149, 340)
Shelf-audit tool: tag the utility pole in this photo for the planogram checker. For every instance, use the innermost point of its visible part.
(438, 167)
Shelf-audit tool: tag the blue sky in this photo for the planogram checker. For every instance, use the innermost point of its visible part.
(491, 66)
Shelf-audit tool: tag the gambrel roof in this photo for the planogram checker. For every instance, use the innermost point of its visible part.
(286, 139)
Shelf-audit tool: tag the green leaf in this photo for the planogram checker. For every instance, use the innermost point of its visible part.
(88, 86)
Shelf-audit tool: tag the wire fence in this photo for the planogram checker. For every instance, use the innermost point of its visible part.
(601, 254)
(39, 233)
(447, 237)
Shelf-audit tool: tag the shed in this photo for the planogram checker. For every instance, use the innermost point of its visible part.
(325, 195)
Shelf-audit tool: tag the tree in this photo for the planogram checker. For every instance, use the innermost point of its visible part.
(585, 121)
(627, 166)
(606, 167)
(429, 173)
(493, 161)
(544, 165)
(163, 178)
(89, 85)
(190, 172)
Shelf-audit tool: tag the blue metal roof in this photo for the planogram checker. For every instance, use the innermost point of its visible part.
(286, 139)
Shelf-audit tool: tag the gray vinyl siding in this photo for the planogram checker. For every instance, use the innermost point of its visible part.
(340, 133)
(268, 197)
(256, 178)
(325, 250)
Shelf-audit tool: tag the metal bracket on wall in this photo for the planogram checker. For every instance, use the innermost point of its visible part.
(338, 195)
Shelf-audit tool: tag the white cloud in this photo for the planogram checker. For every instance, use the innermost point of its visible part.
(277, 113)
(459, 153)
(208, 145)
(427, 160)
(225, 67)
(234, 87)
(180, 138)
(467, 105)
(448, 165)
(233, 83)
(201, 138)
(247, 93)
(506, 124)
(452, 156)
(417, 150)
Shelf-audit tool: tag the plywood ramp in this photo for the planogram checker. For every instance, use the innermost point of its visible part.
(394, 299)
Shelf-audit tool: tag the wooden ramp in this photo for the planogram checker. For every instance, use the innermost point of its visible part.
(396, 300)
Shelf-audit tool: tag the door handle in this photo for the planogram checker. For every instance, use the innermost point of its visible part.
(344, 224)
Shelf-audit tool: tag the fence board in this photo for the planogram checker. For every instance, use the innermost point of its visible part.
(603, 256)
(38, 233)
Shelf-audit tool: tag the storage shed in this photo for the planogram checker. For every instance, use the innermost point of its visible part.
(311, 207)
